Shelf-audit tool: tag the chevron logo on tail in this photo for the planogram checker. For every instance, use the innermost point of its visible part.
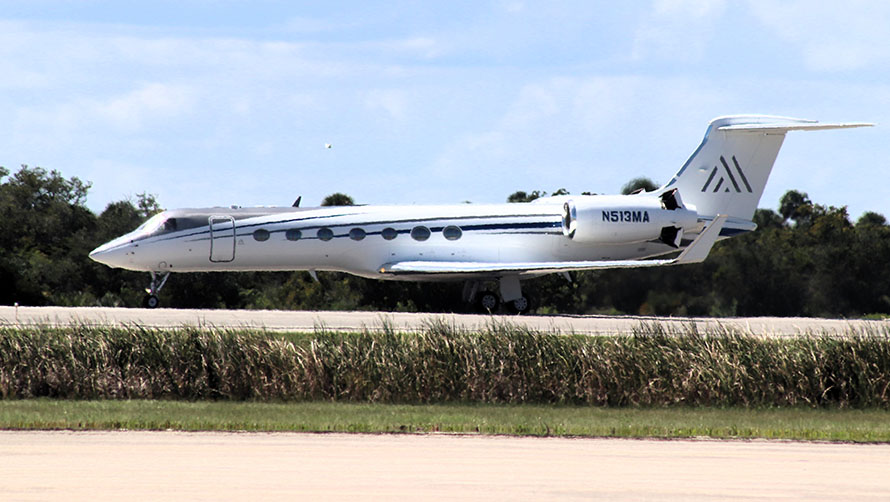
(733, 183)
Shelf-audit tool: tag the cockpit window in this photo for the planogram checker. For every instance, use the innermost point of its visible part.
(163, 223)
(152, 224)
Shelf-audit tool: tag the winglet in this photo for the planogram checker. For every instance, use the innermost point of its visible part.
(701, 246)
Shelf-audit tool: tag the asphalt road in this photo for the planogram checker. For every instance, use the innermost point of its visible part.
(281, 466)
(353, 321)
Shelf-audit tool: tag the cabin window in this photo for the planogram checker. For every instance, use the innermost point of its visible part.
(325, 234)
(356, 234)
(293, 234)
(389, 233)
(420, 233)
(260, 235)
(452, 233)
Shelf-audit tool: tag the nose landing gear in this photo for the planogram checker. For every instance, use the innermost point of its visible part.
(151, 300)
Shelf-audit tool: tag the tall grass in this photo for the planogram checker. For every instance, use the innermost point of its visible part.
(499, 364)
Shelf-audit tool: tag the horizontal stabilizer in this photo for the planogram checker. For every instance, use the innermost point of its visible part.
(803, 126)
(696, 252)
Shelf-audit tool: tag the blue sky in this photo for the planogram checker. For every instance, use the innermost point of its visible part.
(217, 103)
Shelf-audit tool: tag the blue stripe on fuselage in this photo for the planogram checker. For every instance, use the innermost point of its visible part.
(205, 232)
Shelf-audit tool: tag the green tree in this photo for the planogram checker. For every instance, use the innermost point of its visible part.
(796, 206)
(338, 199)
(870, 218)
(521, 196)
(637, 184)
(767, 218)
(45, 231)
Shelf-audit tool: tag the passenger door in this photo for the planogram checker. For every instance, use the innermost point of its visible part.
(222, 238)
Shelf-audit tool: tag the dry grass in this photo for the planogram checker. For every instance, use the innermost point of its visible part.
(501, 364)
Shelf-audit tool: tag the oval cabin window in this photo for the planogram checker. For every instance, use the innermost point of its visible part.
(260, 235)
(325, 234)
(452, 233)
(420, 233)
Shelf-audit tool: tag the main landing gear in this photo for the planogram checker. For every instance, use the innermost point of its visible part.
(488, 301)
(151, 300)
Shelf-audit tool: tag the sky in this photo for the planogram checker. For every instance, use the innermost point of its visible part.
(219, 103)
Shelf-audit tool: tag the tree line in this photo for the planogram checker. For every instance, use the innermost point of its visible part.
(805, 259)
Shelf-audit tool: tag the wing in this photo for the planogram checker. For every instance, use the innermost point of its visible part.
(696, 252)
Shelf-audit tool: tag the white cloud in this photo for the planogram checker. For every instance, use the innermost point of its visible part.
(677, 30)
(696, 9)
(831, 36)
(148, 103)
(393, 102)
(301, 24)
(513, 7)
(585, 134)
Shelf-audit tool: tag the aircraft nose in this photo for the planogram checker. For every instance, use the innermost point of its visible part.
(111, 253)
(102, 255)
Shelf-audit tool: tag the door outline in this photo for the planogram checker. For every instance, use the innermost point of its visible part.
(222, 238)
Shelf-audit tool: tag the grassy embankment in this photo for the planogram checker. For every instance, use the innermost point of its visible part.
(502, 380)
(524, 420)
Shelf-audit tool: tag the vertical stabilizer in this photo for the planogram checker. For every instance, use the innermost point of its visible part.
(729, 170)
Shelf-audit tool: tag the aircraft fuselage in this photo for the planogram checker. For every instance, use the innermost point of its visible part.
(361, 239)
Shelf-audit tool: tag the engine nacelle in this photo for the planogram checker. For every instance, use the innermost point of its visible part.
(613, 219)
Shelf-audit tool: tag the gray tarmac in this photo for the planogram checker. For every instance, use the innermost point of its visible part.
(353, 321)
(100, 466)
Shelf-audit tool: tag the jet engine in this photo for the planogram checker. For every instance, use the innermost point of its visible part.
(613, 219)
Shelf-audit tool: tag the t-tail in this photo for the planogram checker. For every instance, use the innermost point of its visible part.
(728, 172)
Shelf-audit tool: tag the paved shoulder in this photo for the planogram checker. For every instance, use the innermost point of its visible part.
(282, 320)
(253, 466)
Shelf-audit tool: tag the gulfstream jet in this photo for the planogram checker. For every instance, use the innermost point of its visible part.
(713, 196)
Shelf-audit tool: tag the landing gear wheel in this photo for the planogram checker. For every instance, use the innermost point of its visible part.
(488, 302)
(151, 302)
(519, 306)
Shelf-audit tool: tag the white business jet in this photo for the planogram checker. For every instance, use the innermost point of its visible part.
(713, 196)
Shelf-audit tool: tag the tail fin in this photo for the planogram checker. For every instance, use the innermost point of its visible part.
(728, 171)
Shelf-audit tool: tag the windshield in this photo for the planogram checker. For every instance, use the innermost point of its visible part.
(171, 221)
(152, 224)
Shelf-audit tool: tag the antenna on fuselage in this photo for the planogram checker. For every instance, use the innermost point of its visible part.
(297, 202)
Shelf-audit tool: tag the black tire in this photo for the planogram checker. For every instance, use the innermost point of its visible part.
(488, 302)
(520, 305)
(151, 301)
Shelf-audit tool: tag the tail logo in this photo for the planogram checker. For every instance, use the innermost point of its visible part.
(732, 179)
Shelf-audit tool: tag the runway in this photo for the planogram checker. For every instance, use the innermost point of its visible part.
(355, 321)
(281, 466)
